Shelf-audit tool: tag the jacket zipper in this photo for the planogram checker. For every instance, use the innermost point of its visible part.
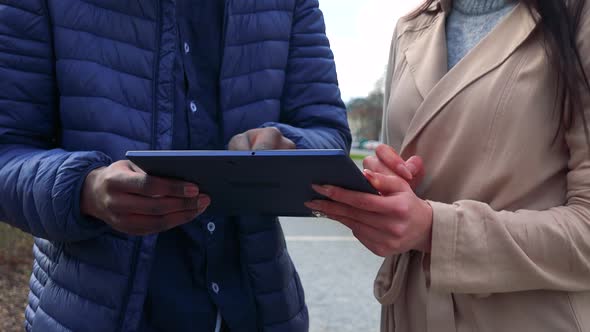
(224, 31)
(154, 137)
(138, 240)
(221, 134)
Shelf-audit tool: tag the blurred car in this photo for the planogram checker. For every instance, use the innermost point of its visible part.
(370, 145)
(356, 144)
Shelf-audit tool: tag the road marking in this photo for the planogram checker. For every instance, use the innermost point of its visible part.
(321, 238)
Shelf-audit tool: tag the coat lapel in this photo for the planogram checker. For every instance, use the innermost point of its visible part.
(427, 57)
(439, 88)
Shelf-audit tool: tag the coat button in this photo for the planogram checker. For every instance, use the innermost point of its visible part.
(215, 288)
(187, 48)
(211, 227)
(193, 107)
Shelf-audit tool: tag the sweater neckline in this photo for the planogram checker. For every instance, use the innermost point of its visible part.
(480, 7)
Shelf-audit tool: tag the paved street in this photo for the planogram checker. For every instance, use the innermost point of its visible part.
(337, 273)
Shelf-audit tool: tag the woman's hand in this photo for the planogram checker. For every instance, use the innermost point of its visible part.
(394, 223)
(387, 161)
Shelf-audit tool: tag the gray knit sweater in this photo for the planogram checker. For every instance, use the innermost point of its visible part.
(469, 22)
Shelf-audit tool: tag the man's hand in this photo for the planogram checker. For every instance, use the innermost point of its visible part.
(261, 139)
(134, 203)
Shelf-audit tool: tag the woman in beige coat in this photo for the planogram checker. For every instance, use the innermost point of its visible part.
(497, 236)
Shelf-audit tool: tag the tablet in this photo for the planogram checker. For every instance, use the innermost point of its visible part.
(269, 183)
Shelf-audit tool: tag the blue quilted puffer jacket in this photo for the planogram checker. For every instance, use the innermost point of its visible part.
(83, 81)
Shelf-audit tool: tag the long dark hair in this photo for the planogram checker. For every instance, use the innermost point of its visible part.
(559, 22)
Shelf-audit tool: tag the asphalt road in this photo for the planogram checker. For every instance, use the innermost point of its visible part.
(337, 273)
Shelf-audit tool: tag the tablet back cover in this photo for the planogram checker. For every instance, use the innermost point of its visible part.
(275, 183)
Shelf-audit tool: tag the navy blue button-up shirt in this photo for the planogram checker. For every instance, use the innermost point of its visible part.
(180, 294)
(196, 120)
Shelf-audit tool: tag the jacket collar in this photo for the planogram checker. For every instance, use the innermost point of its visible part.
(427, 60)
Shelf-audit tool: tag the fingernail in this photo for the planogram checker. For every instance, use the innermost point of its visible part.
(191, 191)
(405, 172)
(324, 190)
(370, 175)
(391, 149)
(412, 168)
(204, 201)
(312, 204)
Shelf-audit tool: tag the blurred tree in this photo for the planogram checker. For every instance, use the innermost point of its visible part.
(364, 114)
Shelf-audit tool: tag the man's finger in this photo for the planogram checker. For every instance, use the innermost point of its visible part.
(134, 167)
(266, 138)
(287, 144)
(240, 142)
(141, 225)
(172, 220)
(135, 204)
(137, 224)
(151, 186)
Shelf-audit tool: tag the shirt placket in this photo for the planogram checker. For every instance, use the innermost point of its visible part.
(208, 224)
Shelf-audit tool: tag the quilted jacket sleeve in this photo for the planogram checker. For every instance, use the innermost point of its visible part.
(313, 115)
(39, 183)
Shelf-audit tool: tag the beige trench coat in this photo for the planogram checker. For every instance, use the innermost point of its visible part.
(511, 232)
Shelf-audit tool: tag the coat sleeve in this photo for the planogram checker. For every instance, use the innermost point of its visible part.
(39, 183)
(313, 114)
(478, 250)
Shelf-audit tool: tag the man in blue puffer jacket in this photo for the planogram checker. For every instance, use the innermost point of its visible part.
(84, 81)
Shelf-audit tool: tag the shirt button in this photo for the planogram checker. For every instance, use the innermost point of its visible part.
(193, 107)
(187, 48)
(211, 227)
(215, 288)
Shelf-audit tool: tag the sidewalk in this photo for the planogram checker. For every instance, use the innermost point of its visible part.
(337, 273)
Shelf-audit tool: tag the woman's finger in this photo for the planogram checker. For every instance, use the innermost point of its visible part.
(416, 165)
(358, 200)
(386, 184)
(387, 155)
(391, 224)
(374, 164)
(378, 242)
(338, 209)
(400, 168)
(386, 205)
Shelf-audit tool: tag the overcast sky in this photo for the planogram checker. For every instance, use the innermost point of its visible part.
(360, 34)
